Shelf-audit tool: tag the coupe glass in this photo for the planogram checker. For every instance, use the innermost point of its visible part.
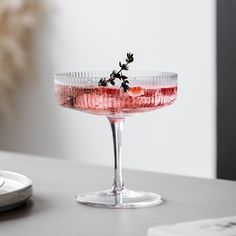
(148, 91)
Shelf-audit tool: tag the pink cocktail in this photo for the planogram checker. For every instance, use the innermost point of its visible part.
(110, 101)
(147, 91)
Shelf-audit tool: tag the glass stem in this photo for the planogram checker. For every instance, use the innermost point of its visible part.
(117, 128)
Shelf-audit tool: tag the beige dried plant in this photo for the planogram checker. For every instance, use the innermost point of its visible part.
(18, 21)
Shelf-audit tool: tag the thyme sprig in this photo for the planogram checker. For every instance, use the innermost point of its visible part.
(119, 74)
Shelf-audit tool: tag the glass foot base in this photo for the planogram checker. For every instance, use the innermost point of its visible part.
(122, 199)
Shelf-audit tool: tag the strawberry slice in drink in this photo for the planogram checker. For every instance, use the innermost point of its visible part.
(135, 91)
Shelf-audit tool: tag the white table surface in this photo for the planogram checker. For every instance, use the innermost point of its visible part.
(53, 211)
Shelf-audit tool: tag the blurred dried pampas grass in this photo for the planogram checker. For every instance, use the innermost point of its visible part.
(18, 21)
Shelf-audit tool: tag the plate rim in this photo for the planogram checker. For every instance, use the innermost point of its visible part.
(20, 189)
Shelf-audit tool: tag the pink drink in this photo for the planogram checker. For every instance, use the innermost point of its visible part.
(113, 101)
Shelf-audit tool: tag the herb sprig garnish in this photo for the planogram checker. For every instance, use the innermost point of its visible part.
(119, 74)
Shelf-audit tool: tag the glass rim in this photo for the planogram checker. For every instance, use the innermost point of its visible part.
(106, 74)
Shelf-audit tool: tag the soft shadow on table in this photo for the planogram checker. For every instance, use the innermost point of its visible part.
(33, 206)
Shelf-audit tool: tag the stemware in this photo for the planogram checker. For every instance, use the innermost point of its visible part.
(148, 91)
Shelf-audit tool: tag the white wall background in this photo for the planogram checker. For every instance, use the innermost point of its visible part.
(166, 35)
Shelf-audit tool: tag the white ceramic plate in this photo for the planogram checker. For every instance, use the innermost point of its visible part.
(15, 191)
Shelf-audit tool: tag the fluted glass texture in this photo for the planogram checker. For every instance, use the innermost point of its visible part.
(80, 91)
